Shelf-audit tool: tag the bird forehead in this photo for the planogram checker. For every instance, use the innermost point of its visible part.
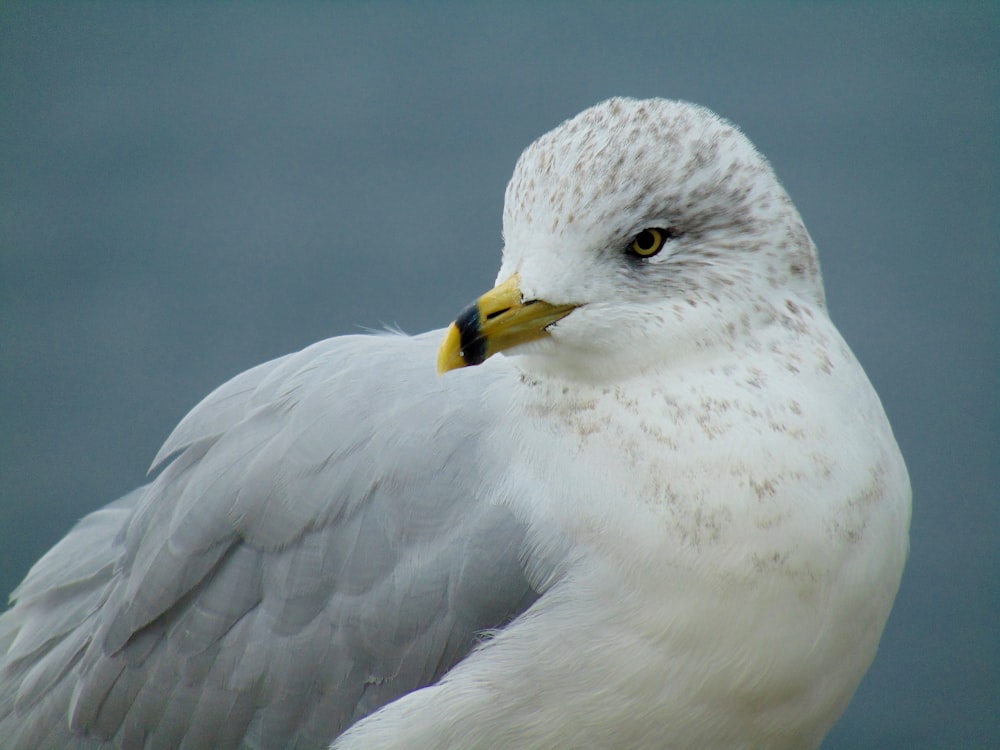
(620, 160)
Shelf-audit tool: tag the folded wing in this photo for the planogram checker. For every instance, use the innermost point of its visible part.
(314, 546)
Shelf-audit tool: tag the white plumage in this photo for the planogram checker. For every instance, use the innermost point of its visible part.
(676, 517)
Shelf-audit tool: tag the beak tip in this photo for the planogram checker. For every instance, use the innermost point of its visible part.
(450, 354)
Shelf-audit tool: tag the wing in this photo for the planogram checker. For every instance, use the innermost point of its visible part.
(316, 546)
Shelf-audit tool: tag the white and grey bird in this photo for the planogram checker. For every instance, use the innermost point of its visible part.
(673, 515)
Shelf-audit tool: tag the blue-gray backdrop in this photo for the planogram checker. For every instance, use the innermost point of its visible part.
(189, 189)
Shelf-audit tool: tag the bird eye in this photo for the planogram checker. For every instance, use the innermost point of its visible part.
(649, 242)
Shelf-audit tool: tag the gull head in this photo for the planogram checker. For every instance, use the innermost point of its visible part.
(637, 233)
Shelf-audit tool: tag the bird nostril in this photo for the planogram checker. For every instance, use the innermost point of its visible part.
(495, 313)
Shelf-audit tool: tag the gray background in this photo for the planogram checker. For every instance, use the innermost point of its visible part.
(188, 190)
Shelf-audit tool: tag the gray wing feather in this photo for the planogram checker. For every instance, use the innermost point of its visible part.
(316, 547)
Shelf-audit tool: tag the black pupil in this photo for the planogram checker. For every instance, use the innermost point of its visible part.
(645, 240)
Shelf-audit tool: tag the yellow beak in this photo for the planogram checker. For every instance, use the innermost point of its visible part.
(496, 321)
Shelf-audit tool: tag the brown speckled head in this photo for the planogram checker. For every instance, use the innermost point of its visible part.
(624, 165)
(734, 248)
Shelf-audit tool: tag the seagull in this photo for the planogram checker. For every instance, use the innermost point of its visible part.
(672, 513)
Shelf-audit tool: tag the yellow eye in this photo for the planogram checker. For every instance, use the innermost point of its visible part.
(649, 242)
